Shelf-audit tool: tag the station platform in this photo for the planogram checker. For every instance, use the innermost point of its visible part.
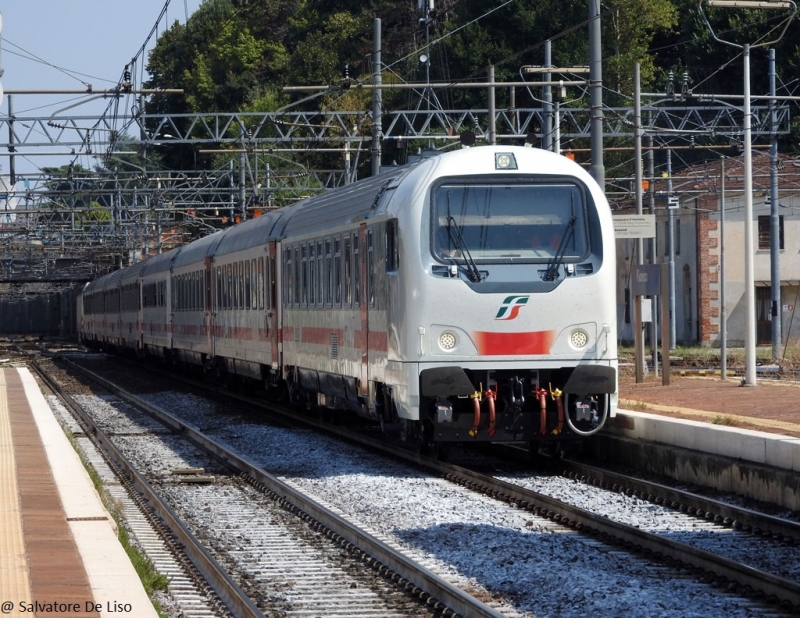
(711, 432)
(59, 552)
(772, 406)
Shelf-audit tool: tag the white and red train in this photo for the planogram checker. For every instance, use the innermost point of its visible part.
(467, 297)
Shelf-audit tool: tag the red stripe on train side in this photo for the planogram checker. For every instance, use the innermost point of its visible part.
(514, 344)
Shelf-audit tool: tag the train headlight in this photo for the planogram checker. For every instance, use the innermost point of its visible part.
(504, 161)
(447, 341)
(579, 338)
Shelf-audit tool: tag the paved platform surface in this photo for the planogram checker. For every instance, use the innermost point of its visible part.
(770, 406)
(59, 552)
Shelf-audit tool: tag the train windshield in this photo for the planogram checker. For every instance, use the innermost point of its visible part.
(501, 222)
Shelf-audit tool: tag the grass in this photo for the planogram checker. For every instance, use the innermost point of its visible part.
(722, 420)
(152, 580)
(704, 356)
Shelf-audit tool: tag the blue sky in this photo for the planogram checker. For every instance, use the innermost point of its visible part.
(90, 41)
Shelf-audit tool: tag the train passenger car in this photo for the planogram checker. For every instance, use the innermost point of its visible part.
(157, 306)
(130, 309)
(242, 281)
(190, 301)
(100, 311)
(468, 297)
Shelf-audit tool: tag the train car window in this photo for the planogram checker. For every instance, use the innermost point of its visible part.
(235, 288)
(356, 270)
(253, 284)
(234, 291)
(216, 294)
(348, 271)
(370, 267)
(217, 288)
(392, 252)
(337, 271)
(258, 302)
(303, 275)
(271, 283)
(229, 286)
(247, 283)
(242, 280)
(297, 282)
(240, 300)
(328, 273)
(320, 270)
(287, 277)
(312, 274)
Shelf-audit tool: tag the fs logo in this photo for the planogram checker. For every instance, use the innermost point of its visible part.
(510, 307)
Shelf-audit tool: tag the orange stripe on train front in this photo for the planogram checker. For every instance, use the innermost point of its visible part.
(514, 344)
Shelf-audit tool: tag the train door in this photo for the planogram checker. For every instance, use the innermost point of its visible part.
(139, 317)
(169, 309)
(272, 304)
(362, 295)
(208, 309)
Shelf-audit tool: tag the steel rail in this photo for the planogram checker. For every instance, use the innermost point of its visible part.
(439, 589)
(779, 590)
(237, 602)
(670, 495)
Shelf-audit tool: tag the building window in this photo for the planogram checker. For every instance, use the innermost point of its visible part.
(764, 232)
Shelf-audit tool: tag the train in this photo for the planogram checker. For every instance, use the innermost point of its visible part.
(465, 297)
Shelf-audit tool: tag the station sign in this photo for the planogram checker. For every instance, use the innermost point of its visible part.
(634, 226)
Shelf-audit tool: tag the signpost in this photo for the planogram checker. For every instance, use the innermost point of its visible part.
(647, 281)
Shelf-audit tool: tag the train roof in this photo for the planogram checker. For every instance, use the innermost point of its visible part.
(250, 233)
(159, 263)
(132, 273)
(336, 206)
(197, 251)
(109, 280)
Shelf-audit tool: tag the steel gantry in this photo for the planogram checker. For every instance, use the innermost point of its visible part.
(125, 211)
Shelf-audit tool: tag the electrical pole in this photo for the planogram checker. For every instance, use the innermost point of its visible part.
(597, 169)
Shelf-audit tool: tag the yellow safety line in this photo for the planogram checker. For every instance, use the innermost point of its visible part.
(14, 582)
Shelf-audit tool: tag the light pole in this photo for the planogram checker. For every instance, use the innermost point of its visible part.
(749, 269)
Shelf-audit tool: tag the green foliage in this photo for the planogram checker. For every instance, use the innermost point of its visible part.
(238, 56)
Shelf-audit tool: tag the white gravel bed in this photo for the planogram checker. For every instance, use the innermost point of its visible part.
(266, 544)
(298, 578)
(480, 543)
(746, 548)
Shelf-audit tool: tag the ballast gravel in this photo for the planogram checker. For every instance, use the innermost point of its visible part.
(531, 567)
(481, 542)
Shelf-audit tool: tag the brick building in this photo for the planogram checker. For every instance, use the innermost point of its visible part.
(699, 245)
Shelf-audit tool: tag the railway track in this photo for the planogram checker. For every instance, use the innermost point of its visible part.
(318, 562)
(700, 564)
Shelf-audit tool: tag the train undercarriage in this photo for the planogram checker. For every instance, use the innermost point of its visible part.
(512, 405)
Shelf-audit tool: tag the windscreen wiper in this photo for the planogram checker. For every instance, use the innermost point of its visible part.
(551, 274)
(473, 274)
